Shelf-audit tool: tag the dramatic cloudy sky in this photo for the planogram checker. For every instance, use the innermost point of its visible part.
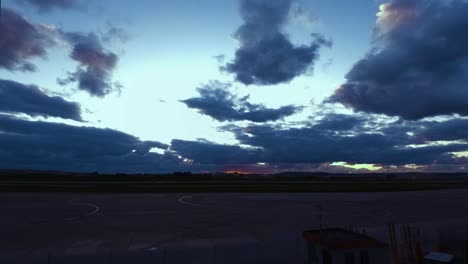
(236, 85)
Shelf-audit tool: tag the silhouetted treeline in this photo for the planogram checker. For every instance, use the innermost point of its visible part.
(13, 175)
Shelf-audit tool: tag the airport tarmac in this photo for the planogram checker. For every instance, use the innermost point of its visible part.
(87, 223)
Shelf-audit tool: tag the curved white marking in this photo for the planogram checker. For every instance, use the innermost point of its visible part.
(182, 200)
(95, 211)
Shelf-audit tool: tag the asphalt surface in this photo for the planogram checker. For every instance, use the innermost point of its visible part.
(86, 223)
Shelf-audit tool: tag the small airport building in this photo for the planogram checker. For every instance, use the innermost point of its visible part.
(341, 246)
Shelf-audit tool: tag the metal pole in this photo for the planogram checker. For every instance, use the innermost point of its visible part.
(419, 253)
(393, 242)
(110, 257)
(466, 261)
(214, 253)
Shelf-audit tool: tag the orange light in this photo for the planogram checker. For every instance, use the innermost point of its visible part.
(235, 172)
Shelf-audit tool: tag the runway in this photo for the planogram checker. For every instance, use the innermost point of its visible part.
(121, 222)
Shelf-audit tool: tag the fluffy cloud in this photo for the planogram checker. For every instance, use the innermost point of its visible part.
(266, 56)
(205, 152)
(48, 5)
(96, 64)
(29, 99)
(52, 146)
(312, 145)
(419, 66)
(20, 41)
(334, 138)
(449, 130)
(315, 146)
(339, 122)
(216, 101)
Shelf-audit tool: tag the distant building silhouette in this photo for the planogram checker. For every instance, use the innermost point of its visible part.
(341, 246)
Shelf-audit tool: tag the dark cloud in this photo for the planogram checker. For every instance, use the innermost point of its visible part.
(449, 130)
(339, 122)
(29, 99)
(216, 101)
(428, 132)
(316, 146)
(266, 56)
(419, 65)
(312, 145)
(52, 146)
(212, 153)
(20, 41)
(334, 138)
(96, 64)
(48, 5)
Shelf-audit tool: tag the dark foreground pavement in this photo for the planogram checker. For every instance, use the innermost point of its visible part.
(112, 227)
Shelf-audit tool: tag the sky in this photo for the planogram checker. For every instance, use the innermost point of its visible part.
(239, 85)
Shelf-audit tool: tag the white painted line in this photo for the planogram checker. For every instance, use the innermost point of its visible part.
(96, 209)
(182, 200)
